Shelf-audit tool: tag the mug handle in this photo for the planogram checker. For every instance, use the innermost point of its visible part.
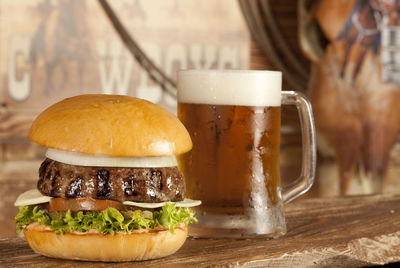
(306, 178)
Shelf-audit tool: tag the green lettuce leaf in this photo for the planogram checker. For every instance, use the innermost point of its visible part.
(171, 217)
(107, 221)
(29, 214)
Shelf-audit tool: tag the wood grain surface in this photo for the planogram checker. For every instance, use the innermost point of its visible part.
(326, 232)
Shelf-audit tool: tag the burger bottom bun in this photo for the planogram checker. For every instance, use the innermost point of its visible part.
(98, 247)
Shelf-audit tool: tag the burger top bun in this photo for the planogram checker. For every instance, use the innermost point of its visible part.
(110, 125)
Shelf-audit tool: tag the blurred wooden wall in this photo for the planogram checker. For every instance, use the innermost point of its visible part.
(327, 180)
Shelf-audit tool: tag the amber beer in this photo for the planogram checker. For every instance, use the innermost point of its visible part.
(236, 151)
(233, 118)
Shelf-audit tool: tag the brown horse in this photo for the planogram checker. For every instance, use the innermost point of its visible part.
(356, 112)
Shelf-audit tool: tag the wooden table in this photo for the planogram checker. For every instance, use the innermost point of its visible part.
(338, 232)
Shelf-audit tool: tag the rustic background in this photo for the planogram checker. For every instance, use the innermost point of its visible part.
(50, 50)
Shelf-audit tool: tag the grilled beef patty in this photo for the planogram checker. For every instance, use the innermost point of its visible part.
(119, 184)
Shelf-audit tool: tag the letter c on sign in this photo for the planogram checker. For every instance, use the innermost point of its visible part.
(18, 89)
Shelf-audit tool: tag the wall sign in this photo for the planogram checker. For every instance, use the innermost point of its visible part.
(50, 50)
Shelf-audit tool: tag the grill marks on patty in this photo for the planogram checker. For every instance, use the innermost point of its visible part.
(119, 184)
(103, 184)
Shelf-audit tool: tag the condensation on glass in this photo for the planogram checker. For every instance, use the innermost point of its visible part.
(234, 118)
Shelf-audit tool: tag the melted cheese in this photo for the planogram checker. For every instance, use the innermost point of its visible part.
(33, 197)
(185, 203)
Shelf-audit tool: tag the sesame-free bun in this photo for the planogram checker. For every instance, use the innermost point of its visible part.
(99, 247)
(110, 125)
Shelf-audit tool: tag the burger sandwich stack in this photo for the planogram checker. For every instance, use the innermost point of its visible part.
(109, 188)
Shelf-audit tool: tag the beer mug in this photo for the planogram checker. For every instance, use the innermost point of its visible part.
(234, 117)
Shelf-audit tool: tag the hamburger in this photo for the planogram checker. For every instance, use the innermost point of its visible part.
(109, 188)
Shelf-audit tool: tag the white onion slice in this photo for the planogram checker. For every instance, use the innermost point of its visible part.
(79, 159)
(31, 197)
(185, 203)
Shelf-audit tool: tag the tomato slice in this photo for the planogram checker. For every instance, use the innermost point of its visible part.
(82, 203)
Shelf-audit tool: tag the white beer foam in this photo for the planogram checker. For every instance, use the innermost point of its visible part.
(230, 87)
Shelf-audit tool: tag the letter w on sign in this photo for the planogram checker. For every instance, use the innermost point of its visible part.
(115, 67)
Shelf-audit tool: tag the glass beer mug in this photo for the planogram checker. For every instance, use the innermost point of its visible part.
(234, 118)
